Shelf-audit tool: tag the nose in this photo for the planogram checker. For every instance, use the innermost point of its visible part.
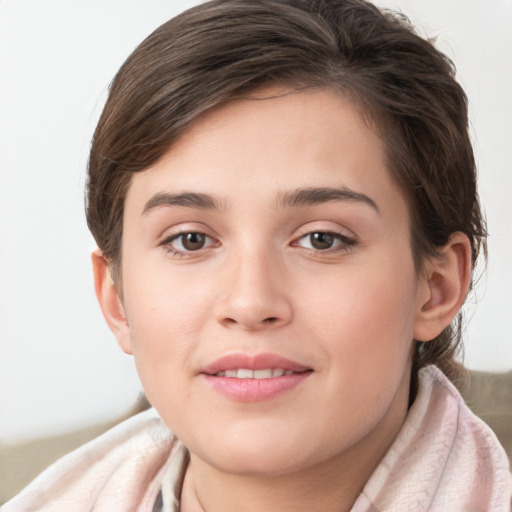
(253, 294)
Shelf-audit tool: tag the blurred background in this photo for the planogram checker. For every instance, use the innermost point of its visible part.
(60, 367)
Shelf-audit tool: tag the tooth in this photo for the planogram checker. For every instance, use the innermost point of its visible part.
(244, 373)
(262, 374)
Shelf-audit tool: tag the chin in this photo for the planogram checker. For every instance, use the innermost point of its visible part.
(261, 466)
(257, 458)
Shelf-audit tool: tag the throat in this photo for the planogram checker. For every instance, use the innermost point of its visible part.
(221, 492)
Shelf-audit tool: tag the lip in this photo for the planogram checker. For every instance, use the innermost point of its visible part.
(253, 362)
(254, 390)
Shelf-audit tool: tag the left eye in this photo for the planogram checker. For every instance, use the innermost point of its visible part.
(188, 242)
(324, 240)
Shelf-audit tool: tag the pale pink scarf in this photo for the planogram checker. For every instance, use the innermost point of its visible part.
(444, 459)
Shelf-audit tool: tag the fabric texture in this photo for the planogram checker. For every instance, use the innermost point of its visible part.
(120, 471)
(443, 459)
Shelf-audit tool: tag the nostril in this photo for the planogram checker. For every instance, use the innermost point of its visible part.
(251, 324)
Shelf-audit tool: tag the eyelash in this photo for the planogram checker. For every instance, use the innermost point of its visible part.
(344, 243)
(340, 243)
(183, 253)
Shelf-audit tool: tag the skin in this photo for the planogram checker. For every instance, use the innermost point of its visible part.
(349, 312)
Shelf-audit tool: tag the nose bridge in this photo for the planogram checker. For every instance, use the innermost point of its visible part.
(253, 295)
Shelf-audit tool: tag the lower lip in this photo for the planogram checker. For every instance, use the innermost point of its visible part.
(255, 390)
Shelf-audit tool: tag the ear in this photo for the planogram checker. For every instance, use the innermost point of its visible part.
(445, 284)
(110, 301)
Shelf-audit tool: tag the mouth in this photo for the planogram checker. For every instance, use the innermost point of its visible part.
(253, 366)
(247, 373)
(254, 378)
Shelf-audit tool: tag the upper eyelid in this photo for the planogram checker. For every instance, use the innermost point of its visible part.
(315, 226)
(184, 228)
(349, 239)
(310, 227)
(333, 231)
(174, 236)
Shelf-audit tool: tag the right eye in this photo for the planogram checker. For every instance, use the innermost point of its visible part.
(187, 242)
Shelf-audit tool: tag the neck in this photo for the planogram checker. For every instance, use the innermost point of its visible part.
(212, 491)
(330, 486)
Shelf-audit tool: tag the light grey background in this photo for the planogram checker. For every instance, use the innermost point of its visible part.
(60, 367)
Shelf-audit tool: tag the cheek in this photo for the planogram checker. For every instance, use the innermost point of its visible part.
(367, 339)
(165, 322)
(164, 305)
(367, 319)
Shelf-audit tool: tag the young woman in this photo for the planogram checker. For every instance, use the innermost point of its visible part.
(284, 199)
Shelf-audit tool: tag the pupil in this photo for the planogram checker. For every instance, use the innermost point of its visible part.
(193, 241)
(321, 240)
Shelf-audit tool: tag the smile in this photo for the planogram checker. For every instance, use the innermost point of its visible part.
(256, 377)
(246, 373)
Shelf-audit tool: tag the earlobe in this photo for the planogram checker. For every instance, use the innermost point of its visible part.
(110, 301)
(444, 287)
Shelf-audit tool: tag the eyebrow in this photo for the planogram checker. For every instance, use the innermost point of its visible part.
(187, 199)
(298, 197)
(312, 196)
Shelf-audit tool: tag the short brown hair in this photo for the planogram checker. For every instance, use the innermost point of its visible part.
(218, 50)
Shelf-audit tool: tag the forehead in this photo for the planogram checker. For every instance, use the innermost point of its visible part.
(270, 142)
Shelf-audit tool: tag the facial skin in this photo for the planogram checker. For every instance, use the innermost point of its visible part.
(347, 310)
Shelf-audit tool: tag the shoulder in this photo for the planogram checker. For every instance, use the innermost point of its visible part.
(464, 446)
(121, 468)
(444, 458)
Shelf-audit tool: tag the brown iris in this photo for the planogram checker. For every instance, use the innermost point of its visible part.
(193, 241)
(321, 240)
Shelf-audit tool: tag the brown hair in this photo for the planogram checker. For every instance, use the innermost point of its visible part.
(223, 48)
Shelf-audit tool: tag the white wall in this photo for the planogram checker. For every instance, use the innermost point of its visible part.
(59, 365)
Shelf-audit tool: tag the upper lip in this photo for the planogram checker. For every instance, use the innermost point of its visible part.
(252, 362)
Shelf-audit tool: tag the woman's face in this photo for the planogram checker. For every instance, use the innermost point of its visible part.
(269, 288)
